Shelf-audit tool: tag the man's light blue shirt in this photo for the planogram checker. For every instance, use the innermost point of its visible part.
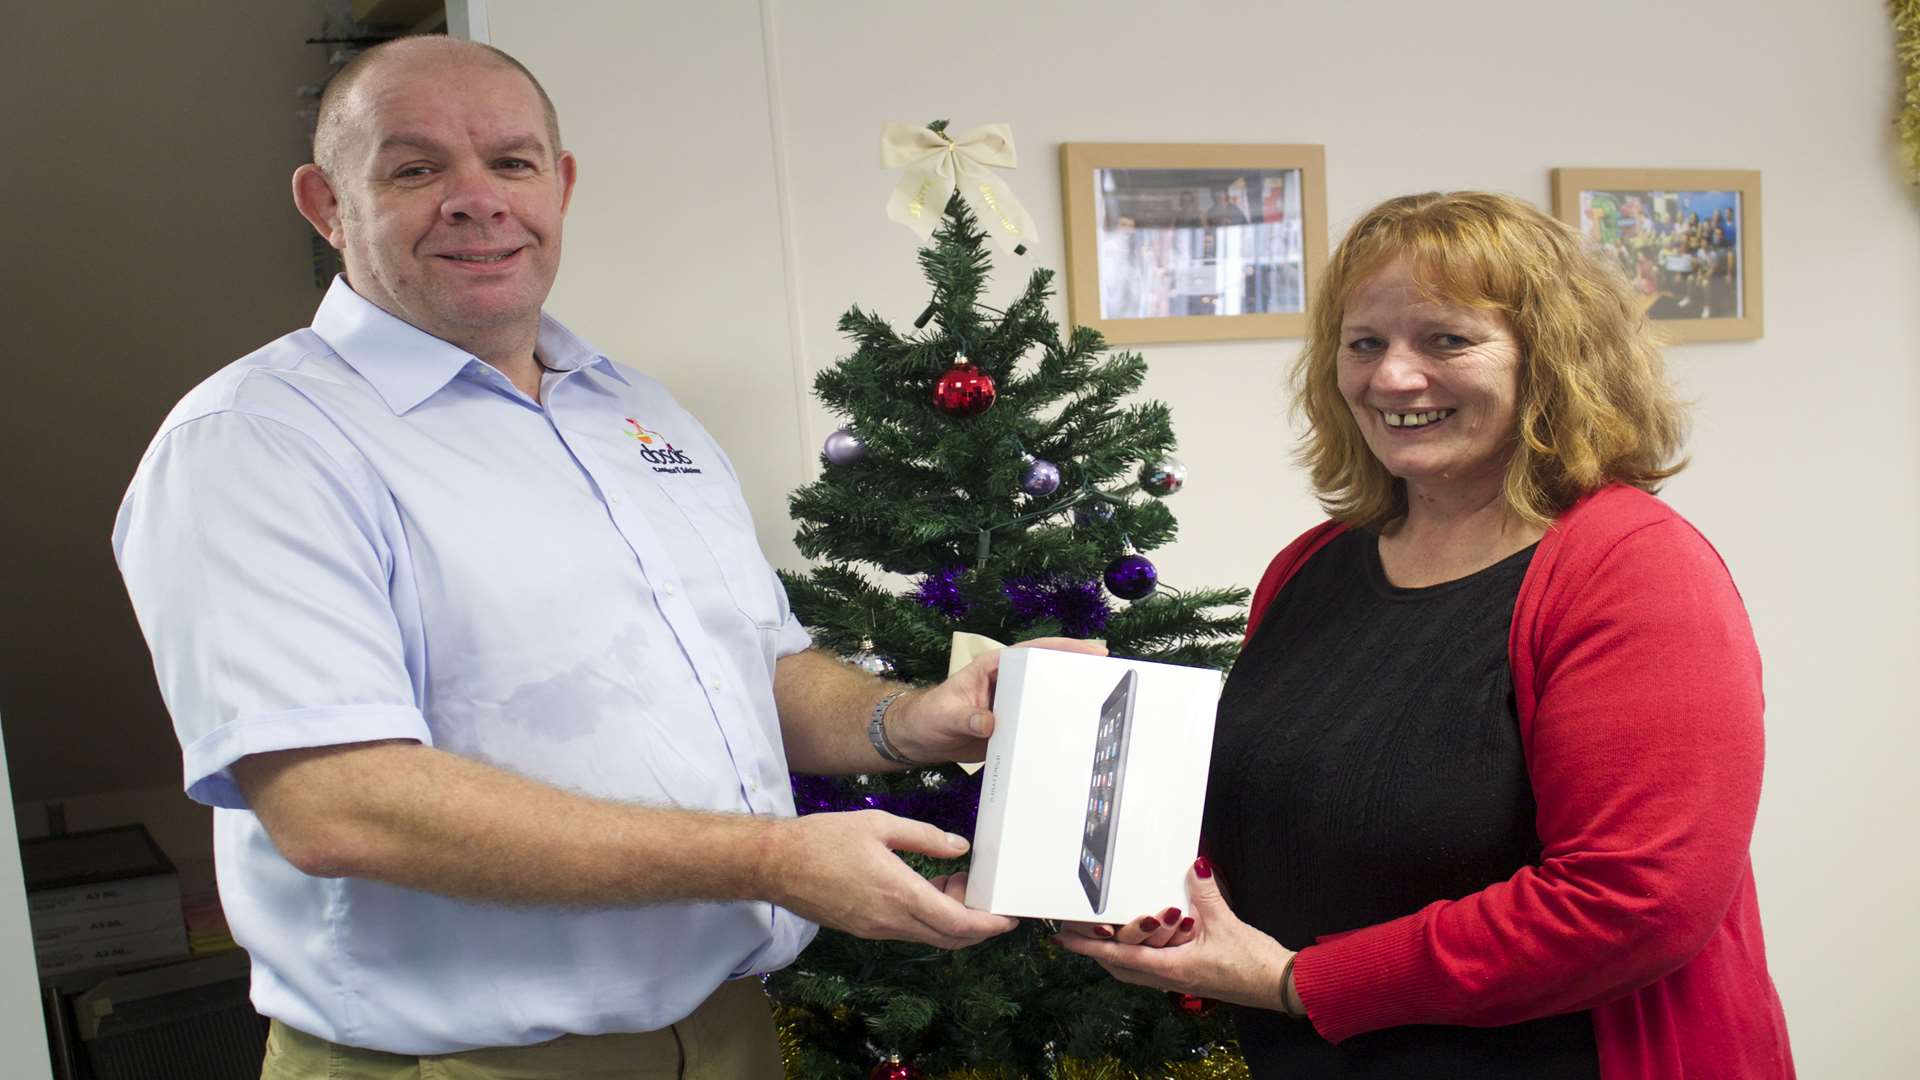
(363, 532)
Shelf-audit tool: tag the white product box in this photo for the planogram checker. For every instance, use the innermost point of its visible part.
(1092, 792)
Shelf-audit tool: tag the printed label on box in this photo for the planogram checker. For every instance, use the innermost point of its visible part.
(90, 924)
(111, 952)
(106, 894)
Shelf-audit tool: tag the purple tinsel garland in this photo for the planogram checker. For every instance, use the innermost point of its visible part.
(1078, 606)
(953, 805)
(941, 592)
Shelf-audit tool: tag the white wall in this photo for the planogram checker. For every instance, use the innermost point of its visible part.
(1806, 463)
(23, 1038)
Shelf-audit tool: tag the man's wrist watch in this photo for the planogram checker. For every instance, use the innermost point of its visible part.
(877, 732)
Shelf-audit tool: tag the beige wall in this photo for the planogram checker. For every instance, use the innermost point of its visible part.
(1806, 468)
(677, 264)
(150, 239)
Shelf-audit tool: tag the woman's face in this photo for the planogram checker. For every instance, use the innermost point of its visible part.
(1433, 387)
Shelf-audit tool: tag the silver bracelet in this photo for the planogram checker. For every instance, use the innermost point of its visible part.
(877, 732)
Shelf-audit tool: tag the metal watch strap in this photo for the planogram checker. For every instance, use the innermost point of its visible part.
(877, 732)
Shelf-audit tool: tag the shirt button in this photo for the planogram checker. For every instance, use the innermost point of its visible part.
(715, 684)
(614, 499)
(668, 589)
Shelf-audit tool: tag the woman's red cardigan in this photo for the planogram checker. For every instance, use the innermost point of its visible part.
(1638, 689)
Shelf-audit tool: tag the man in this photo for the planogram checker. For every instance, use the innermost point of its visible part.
(465, 632)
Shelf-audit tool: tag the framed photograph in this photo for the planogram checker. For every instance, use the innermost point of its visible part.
(1689, 240)
(1193, 242)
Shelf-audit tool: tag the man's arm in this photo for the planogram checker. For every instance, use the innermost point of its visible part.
(256, 556)
(418, 817)
(825, 705)
(824, 708)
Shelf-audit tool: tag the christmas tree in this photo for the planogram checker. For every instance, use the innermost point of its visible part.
(1000, 469)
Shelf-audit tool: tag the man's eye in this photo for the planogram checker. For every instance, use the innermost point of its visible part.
(513, 164)
(411, 172)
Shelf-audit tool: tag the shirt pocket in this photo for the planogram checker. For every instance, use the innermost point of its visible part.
(719, 515)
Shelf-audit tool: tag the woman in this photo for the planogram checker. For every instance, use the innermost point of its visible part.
(1485, 773)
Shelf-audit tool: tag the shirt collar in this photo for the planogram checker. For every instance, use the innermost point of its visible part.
(407, 365)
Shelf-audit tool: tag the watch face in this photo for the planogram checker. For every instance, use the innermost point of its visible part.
(1103, 791)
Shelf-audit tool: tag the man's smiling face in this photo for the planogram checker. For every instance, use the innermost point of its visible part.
(450, 198)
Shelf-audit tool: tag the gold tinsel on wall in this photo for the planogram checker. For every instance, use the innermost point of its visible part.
(1906, 26)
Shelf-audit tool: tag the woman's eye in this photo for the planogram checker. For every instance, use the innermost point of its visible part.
(1365, 344)
(1451, 341)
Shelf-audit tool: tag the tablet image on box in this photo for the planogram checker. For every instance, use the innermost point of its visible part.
(1103, 791)
(1140, 734)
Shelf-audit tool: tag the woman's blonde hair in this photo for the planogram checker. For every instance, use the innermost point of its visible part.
(1595, 406)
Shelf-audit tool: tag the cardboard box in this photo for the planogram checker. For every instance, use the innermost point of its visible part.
(95, 869)
(75, 927)
(67, 957)
(103, 895)
(1093, 788)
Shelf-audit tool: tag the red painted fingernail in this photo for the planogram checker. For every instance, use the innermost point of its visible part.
(1203, 867)
(1186, 924)
(1101, 931)
(1149, 924)
(1170, 915)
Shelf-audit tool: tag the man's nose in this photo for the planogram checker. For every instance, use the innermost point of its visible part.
(473, 195)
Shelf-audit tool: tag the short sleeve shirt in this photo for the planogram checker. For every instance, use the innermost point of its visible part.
(363, 532)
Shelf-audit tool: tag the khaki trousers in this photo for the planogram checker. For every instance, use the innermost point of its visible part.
(729, 1037)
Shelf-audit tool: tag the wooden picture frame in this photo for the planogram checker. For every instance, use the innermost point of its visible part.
(1668, 228)
(1193, 241)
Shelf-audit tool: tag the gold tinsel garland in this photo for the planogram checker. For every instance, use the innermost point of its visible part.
(1225, 1063)
(1906, 27)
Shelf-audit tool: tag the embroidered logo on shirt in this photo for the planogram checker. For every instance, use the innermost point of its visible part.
(656, 451)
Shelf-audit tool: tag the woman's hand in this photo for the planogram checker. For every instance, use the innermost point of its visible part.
(1213, 954)
(1155, 931)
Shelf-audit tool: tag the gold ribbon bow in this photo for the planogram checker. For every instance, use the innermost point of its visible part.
(938, 164)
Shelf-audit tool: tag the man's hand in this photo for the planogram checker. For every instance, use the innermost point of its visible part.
(840, 870)
(951, 721)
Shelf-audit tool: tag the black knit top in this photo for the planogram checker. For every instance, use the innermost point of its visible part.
(1367, 762)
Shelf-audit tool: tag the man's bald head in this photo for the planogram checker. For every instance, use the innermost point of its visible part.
(331, 133)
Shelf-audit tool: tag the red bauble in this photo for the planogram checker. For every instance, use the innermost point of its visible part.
(1191, 1004)
(894, 1069)
(964, 391)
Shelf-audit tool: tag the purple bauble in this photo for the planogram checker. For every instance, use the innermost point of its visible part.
(1131, 577)
(1041, 478)
(1092, 512)
(844, 448)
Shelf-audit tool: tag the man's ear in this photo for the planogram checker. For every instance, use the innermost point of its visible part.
(569, 172)
(314, 197)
